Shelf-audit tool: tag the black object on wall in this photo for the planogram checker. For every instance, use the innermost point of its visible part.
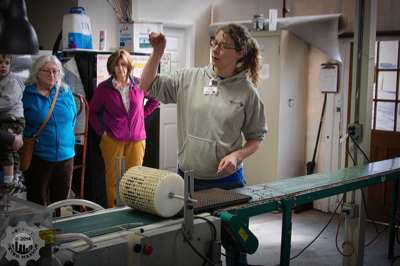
(95, 172)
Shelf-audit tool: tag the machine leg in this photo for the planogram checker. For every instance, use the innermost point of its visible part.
(286, 237)
(392, 224)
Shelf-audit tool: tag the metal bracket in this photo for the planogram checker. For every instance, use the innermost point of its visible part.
(188, 207)
(119, 169)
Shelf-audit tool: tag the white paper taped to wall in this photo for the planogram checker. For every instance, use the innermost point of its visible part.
(265, 71)
(328, 78)
(273, 16)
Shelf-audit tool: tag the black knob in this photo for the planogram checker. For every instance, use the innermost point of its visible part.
(137, 248)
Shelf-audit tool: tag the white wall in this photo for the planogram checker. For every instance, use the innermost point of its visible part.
(262, 167)
(234, 10)
(177, 11)
(292, 126)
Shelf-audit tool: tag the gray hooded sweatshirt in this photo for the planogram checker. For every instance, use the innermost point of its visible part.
(11, 89)
(210, 125)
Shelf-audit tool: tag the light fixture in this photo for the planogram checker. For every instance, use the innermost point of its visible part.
(17, 36)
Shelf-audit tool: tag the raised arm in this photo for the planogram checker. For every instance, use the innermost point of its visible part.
(158, 41)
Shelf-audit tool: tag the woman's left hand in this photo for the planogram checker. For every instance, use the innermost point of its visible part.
(228, 164)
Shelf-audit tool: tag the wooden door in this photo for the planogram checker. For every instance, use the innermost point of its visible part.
(385, 135)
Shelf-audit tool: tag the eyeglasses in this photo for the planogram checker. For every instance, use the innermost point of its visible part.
(221, 45)
(51, 71)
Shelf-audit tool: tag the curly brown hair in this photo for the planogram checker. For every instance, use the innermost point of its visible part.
(251, 59)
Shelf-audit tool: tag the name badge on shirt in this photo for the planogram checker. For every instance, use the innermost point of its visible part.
(211, 89)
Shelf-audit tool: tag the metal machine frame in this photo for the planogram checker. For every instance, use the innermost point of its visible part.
(288, 193)
(138, 243)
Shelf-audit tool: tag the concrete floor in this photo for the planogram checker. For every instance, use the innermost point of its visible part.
(322, 252)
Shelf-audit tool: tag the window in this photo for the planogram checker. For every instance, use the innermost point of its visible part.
(386, 96)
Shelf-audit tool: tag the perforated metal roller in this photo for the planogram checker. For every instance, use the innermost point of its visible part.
(148, 189)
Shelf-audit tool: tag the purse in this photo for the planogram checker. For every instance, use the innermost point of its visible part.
(25, 153)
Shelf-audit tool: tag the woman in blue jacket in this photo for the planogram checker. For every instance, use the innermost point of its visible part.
(48, 178)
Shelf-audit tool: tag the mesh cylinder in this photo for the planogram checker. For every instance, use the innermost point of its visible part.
(147, 189)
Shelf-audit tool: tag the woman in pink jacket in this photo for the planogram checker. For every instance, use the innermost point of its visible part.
(117, 113)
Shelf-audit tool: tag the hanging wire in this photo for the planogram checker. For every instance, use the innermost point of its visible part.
(319, 234)
(349, 244)
(360, 149)
(127, 12)
(378, 233)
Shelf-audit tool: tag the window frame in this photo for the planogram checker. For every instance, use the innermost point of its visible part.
(375, 99)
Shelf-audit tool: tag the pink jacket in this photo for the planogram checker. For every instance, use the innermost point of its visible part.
(107, 112)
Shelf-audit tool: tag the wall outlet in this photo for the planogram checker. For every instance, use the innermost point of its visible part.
(355, 131)
(350, 210)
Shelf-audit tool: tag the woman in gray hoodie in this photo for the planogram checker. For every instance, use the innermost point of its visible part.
(217, 105)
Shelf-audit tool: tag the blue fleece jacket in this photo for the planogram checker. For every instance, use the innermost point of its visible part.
(57, 141)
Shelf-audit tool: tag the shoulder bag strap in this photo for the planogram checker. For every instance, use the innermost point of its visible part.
(43, 125)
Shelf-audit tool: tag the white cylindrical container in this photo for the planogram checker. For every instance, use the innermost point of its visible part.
(148, 189)
(77, 30)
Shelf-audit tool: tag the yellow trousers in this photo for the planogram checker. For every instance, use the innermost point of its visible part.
(111, 149)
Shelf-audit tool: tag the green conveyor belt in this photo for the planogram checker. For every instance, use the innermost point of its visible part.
(107, 222)
(304, 189)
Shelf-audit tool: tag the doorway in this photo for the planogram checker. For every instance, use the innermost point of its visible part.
(178, 54)
(385, 128)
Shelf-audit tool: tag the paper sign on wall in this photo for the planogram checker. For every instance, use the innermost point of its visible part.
(328, 77)
(101, 68)
(139, 62)
(265, 71)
